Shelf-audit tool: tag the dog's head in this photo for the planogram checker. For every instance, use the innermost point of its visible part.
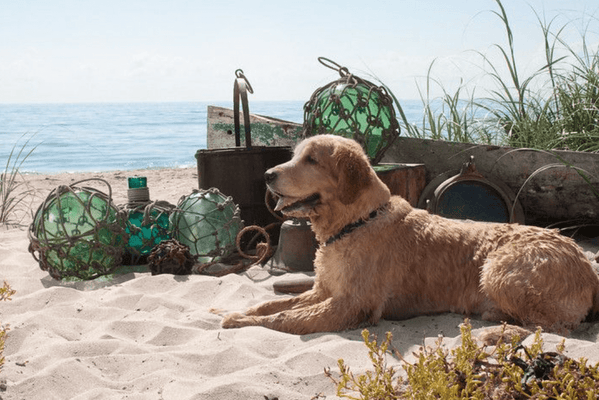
(325, 170)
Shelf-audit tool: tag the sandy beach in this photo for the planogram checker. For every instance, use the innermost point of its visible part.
(154, 337)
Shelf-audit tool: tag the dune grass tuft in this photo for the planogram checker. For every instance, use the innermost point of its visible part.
(555, 107)
(14, 190)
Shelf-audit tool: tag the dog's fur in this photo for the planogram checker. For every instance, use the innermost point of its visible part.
(406, 262)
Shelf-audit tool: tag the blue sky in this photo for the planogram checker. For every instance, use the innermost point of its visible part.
(183, 50)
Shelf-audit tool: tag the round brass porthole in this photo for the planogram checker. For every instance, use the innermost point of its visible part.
(470, 195)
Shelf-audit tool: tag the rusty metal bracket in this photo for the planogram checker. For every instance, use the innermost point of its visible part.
(240, 89)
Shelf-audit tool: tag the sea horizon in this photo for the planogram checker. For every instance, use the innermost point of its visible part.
(109, 136)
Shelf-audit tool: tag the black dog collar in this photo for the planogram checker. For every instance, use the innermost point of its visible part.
(347, 229)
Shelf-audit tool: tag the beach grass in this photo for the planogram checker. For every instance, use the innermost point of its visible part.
(554, 107)
(14, 190)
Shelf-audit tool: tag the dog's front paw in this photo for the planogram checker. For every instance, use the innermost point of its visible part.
(234, 320)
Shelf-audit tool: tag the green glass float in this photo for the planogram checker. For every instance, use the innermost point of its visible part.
(208, 223)
(78, 233)
(147, 222)
(354, 108)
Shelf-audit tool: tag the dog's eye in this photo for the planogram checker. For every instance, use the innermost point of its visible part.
(311, 160)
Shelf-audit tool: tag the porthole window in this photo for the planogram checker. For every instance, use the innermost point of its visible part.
(470, 195)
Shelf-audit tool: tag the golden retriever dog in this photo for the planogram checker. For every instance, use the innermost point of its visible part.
(381, 258)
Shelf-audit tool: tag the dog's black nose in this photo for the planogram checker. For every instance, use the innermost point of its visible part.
(270, 176)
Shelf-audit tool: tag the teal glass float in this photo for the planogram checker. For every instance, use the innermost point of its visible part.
(354, 108)
(147, 222)
(137, 182)
(78, 232)
(146, 229)
(208, 223)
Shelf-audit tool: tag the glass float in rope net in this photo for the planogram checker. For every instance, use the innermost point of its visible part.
(78, 233)
(147, 222)
(354, 108)
(208, 222)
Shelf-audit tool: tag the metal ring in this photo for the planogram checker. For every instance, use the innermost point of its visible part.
(239, 74)
(343, 71)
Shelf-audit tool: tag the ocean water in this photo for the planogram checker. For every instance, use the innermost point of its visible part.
(120, 136)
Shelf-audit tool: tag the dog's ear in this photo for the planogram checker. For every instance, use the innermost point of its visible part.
(354, 172)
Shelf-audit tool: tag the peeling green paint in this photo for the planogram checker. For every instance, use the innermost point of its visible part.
(264, 134)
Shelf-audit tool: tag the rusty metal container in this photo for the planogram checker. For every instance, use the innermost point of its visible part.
(239, 172)
(296, 249)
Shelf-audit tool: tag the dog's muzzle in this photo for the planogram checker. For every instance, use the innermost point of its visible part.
(288, 204)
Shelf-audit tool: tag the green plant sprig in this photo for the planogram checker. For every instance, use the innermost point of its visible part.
(509, 371)
(5, 293)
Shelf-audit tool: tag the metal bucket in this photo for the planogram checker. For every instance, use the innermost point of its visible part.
(296, 249)
(239, 171)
